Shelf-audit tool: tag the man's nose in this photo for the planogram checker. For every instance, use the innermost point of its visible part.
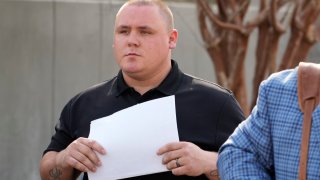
(133, 40)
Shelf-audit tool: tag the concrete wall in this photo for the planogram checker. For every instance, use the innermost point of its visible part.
(51, 50)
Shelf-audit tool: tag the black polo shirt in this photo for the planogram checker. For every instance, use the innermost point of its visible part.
(206, 113)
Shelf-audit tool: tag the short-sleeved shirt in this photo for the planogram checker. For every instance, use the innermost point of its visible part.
(206, 113)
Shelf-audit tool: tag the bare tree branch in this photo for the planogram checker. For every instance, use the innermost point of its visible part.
(226, 36)
(216, 20)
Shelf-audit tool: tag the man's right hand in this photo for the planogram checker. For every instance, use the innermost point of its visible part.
(80, 155)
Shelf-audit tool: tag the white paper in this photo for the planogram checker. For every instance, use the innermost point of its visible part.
(132, 137)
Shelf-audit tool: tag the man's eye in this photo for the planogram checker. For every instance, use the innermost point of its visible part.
(123, 32)
(145, 32)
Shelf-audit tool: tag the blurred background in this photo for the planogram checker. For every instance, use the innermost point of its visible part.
(51, 50)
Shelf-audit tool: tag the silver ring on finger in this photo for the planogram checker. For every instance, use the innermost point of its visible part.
(177, 163)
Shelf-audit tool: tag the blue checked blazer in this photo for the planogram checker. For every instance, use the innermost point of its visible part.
(267, 144)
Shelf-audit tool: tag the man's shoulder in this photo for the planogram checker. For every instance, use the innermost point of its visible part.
(280, 89)
(101, 88)
(204, 85)
(284, 79)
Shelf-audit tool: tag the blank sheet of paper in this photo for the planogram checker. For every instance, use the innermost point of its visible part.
(132, 137)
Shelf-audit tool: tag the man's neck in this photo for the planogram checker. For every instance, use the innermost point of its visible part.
(143, 85)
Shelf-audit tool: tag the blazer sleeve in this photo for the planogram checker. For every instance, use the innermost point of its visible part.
(247, 152)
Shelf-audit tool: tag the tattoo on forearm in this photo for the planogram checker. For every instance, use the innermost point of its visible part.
(55, 173)
(214, 173)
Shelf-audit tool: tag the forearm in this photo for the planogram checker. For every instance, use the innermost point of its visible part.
(238, 164)
(246, 154)
(211, 170)
(51, 168)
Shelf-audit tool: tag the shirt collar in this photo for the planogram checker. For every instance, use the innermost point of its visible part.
(168, 86)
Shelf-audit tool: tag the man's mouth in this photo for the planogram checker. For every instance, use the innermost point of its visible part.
(132, 54)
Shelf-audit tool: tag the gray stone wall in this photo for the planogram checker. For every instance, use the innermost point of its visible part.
(51, 50)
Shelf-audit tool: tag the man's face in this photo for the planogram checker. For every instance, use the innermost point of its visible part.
(142, 41)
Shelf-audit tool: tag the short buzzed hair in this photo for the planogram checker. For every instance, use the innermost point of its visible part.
(163, 8)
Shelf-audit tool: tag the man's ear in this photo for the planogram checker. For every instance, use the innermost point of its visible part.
(173, 39)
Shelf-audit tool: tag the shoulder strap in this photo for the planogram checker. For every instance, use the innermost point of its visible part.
(308, 95)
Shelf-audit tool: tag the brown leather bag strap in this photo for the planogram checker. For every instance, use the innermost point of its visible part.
(308, 95)
(305, 139)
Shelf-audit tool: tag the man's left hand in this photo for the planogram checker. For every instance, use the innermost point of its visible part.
(185, 158)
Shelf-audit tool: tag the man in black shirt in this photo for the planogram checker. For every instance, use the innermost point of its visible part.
(206, 113)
